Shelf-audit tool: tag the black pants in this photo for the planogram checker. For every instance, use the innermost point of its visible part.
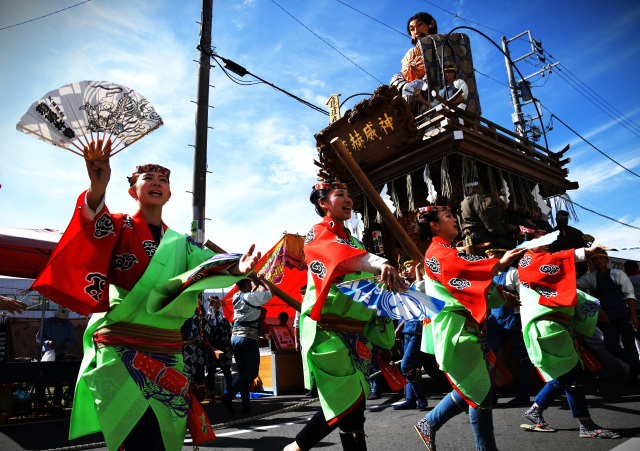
(317, 428)
(145, 435)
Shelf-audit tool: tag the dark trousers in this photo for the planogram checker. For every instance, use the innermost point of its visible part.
(317, 428)
(145, 435)
(616, 330)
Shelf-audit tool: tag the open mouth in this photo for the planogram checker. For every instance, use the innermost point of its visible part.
(155, 193)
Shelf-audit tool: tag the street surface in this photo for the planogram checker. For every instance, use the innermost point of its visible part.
(615, 406)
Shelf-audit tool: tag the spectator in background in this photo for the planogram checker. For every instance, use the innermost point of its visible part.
(193, 353)
(218, 335)
(569, 238)
(618, 317)
(244, 339)
(58, 334)
(632, 271)
(283, 317)
(453, 85)
(482, 215)
(12, 305)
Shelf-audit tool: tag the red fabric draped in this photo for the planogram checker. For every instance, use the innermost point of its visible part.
(327, 245)
(551, 275)
(467, 277)
(115, 248)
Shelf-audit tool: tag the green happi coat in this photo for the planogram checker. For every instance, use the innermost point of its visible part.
(327, 357)
(107, 399)
(456, 347)
(550, 345)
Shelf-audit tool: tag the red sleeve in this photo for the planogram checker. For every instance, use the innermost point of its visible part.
(327, 245)
(76, 274)
(467, 277)
(551, 275)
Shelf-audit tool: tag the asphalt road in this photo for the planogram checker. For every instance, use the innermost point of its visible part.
(614, 406)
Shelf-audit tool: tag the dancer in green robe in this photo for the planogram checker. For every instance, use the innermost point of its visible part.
(140, 280)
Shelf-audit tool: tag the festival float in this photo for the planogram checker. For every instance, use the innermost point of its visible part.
(427, 154)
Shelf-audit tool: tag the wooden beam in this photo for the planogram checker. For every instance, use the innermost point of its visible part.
(392, 222)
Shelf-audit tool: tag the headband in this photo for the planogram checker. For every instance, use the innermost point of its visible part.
(407, 263)
(430, 208)
(143, 169)
(602, 254)
(494, 250)
(332, 185)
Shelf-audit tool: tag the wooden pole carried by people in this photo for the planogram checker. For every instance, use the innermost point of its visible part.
(392, 222)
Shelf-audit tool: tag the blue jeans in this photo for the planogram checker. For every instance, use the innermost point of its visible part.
(481, 418)
(411, 363)
(247, 355)
(571, 383)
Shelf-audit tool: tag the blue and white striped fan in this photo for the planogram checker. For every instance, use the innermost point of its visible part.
(410, 305)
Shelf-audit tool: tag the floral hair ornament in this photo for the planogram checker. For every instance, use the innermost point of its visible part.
(430, 208)
(328, 186)
(143, 169)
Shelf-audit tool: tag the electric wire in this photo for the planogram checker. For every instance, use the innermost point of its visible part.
(46, 15)
(587, 141)
(373, 18)
(323, 40)
(236, 80)
(604, 216)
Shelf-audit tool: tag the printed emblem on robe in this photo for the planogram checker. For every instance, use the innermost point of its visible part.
(310, 236)
(149, 247)
(471, 258)
(525, 261)
(549, 269)
(104, 226)
(465, 277)
(123, 262)
(318, 268)
(326, 250)
(98, 282)
(433, 264)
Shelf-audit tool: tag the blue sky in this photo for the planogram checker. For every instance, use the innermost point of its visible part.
(261, 149)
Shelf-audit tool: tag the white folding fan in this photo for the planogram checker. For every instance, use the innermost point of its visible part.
(98, 118)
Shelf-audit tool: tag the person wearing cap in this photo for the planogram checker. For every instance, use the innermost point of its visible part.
(452, 86)
(553, 310)
(140, 281)
(618, 317)
(464, 283)
(504, 324)
(337, 333)
(247, 314)
(57, 333)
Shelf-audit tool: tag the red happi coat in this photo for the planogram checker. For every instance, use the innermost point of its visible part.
(551, 275)
(115, 249)
(466, 277)
(327, 245)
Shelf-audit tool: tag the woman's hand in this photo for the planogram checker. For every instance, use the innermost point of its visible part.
(391, 278)
(99, 176)
(594, 249)
(248, 261)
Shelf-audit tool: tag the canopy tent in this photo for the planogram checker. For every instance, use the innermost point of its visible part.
(24, 252)
(283, 265)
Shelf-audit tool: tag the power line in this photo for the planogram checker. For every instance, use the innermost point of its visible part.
(232, 66)
(373, 18)
(585, 140)
(46, 15)
(323, 40)
(605, 216)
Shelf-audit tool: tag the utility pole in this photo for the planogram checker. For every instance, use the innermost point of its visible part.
(202, 120)
(517, 116)
(523, 86)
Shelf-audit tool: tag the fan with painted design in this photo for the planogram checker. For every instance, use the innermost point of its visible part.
(93, 119)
